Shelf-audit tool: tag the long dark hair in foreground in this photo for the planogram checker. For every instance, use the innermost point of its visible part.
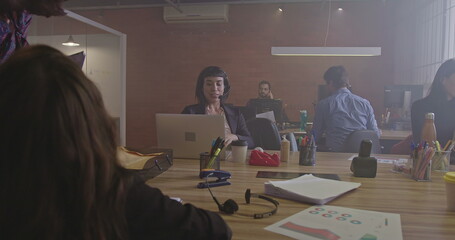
(437, 90)
(59, 177)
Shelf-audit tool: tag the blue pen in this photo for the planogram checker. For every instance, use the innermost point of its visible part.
(213, 156)
(215, 146)
(313, 133)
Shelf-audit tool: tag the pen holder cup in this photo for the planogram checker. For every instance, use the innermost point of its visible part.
(204, 162)
(441, 161)
(307, 156)
(421, 171)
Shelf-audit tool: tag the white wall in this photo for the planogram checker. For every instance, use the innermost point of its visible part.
(102, 53)
(424, 39)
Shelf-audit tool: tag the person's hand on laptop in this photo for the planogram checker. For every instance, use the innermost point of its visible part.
(229, 138)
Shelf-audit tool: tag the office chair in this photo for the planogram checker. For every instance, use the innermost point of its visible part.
(265, 133)
(247, 112)
(352, 144)
(293, 146)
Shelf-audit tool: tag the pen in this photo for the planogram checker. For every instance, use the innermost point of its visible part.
(304, 141)
(438, 146)
(313, 134)
(212, 159)
(215, 145)
(215, 154)
(447, 145)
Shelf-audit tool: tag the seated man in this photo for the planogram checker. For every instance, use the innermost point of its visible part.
(265, 90)
(341, 113)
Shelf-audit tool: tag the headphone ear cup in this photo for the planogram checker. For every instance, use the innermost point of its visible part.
(227, 89)
(230, 206)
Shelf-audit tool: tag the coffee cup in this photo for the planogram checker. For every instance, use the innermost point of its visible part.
(239, 149)
(449, 178)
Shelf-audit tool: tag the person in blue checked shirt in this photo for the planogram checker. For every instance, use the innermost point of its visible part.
(341, 113)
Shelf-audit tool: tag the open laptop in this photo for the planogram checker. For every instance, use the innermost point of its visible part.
(188, 134)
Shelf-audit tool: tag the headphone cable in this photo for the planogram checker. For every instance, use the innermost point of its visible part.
(208, 187)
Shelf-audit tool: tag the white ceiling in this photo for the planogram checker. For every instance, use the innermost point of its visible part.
(111, 4)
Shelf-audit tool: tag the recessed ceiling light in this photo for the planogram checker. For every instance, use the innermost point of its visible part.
(280, 9)
(340, 9)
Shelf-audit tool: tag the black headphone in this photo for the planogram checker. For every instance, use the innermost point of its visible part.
(227, 89)
(230, 206)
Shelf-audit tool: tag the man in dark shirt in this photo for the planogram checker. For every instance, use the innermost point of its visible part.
(265, 90)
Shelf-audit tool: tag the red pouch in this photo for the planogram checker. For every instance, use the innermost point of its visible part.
(259, 158)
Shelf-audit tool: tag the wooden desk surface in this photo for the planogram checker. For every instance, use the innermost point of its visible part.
(394, 135)
(421, 205)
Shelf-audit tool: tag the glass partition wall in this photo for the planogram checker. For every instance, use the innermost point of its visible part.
(105, 52)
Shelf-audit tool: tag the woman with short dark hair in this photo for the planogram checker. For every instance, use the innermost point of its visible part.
(212, 89)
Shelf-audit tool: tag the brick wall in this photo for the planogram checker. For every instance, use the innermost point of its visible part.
(163, 60)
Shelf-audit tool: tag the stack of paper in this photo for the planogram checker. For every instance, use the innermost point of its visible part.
(309, 188)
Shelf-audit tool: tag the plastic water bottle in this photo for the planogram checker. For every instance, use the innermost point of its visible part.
(429, 130)
(303, 119)
(285, 149)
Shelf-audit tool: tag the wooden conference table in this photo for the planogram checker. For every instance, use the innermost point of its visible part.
(421, 205)
(386, 134)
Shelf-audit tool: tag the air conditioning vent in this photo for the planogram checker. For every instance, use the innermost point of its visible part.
(196, 14)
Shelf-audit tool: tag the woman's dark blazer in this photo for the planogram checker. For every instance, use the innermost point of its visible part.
(234, 118)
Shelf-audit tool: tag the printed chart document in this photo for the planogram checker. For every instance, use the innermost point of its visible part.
(339, 223)
(309, 189)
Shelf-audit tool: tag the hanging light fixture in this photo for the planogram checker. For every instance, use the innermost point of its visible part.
(326, 51)
(70, 42)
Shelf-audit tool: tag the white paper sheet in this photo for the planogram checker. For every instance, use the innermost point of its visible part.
(269, 115)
